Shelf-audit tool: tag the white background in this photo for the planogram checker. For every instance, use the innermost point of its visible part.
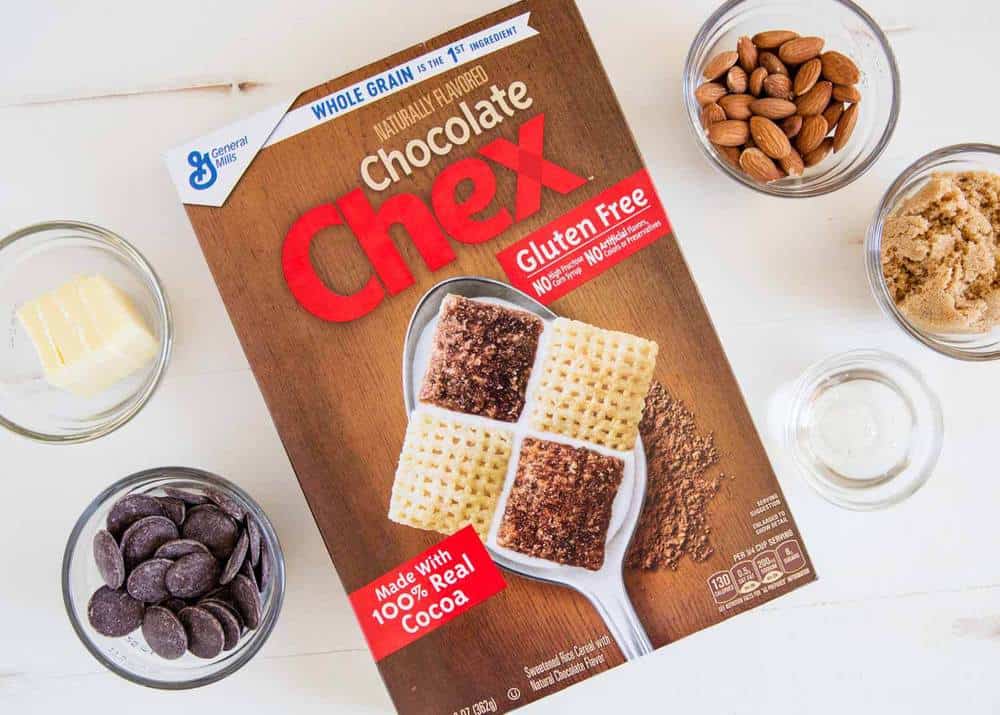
(906, 615)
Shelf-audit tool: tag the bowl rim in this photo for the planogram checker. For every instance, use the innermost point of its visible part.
(268, 532)
(873, 251)
(773, 189)
(138, 401)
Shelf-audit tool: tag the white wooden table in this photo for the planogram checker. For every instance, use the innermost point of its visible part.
(906, 615)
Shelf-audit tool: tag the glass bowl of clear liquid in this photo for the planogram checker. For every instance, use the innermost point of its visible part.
(865, 429)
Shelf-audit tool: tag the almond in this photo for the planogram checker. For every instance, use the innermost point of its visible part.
(846, 93)
(778, 85)
(770, 62)
(769, 137)
(844, 128)
(832, 114)
(772, 108)
(747, 52)
(793, 164)
(839, 68)
(709, 92)
(814, 128)
(807, 76)
(815, 100)
(792, 126)
(799, 50)
(719, 65)
(736, 80)
(730, 132)
(819, 153)
(773, 38)
(736, 106)
(712, 113)
(730, 153)
(756, 83)
(759, 165)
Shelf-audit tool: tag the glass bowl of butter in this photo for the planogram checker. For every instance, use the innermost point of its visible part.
(86, 332)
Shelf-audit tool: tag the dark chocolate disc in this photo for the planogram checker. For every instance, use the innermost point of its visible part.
(192, 575)
(147, 582)
(114, 613)
(232, 626)
(189, 498)
(173, 508)
(247, 600)
(180, 547)
(109, 559)
(225, 502)
(128, 510)
(247, 570)
(164, 633)
(236, 559)
(225, 604)
(204, 632)
(264, 568)
(212, 527)
(141, 540)
(254, 533)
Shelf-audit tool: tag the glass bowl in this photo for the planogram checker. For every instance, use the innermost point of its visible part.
(846, 28)
(40, 258)
(130, 657)
(960, 157)
(899, 478)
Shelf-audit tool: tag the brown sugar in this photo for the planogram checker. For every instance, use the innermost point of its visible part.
(941, 250)
(675, 520)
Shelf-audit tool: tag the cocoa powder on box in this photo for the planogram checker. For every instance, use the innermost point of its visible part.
(675, 520)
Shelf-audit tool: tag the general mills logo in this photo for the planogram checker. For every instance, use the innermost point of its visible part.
(204, 174)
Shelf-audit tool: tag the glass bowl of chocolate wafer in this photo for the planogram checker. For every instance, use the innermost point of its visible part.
(173, 578)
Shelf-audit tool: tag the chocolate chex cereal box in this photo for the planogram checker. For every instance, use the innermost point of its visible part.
(499, 389)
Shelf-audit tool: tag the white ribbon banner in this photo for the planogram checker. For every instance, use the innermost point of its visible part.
(432, 64)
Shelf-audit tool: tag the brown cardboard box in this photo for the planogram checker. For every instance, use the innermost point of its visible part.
(322, 255)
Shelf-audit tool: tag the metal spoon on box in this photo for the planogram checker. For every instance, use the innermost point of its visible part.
(604, 588)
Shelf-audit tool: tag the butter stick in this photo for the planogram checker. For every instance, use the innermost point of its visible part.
(88, 335)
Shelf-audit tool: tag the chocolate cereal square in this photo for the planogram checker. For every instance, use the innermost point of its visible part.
(559, 507)
(481, 359)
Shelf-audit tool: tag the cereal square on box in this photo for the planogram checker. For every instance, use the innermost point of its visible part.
(449, 475)
(481, 359)
(559, 507)
(593, 384)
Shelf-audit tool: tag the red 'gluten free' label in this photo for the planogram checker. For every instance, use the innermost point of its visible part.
(423, 594)
(587, 241)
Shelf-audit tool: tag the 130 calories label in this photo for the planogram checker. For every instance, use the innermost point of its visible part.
(764, 566)
(419, 596)
(587, 241)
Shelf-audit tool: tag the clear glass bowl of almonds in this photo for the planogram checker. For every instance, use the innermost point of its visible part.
(173, 578)
(792, 99)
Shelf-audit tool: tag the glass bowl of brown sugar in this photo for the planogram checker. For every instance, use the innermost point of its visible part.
(932, 251)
